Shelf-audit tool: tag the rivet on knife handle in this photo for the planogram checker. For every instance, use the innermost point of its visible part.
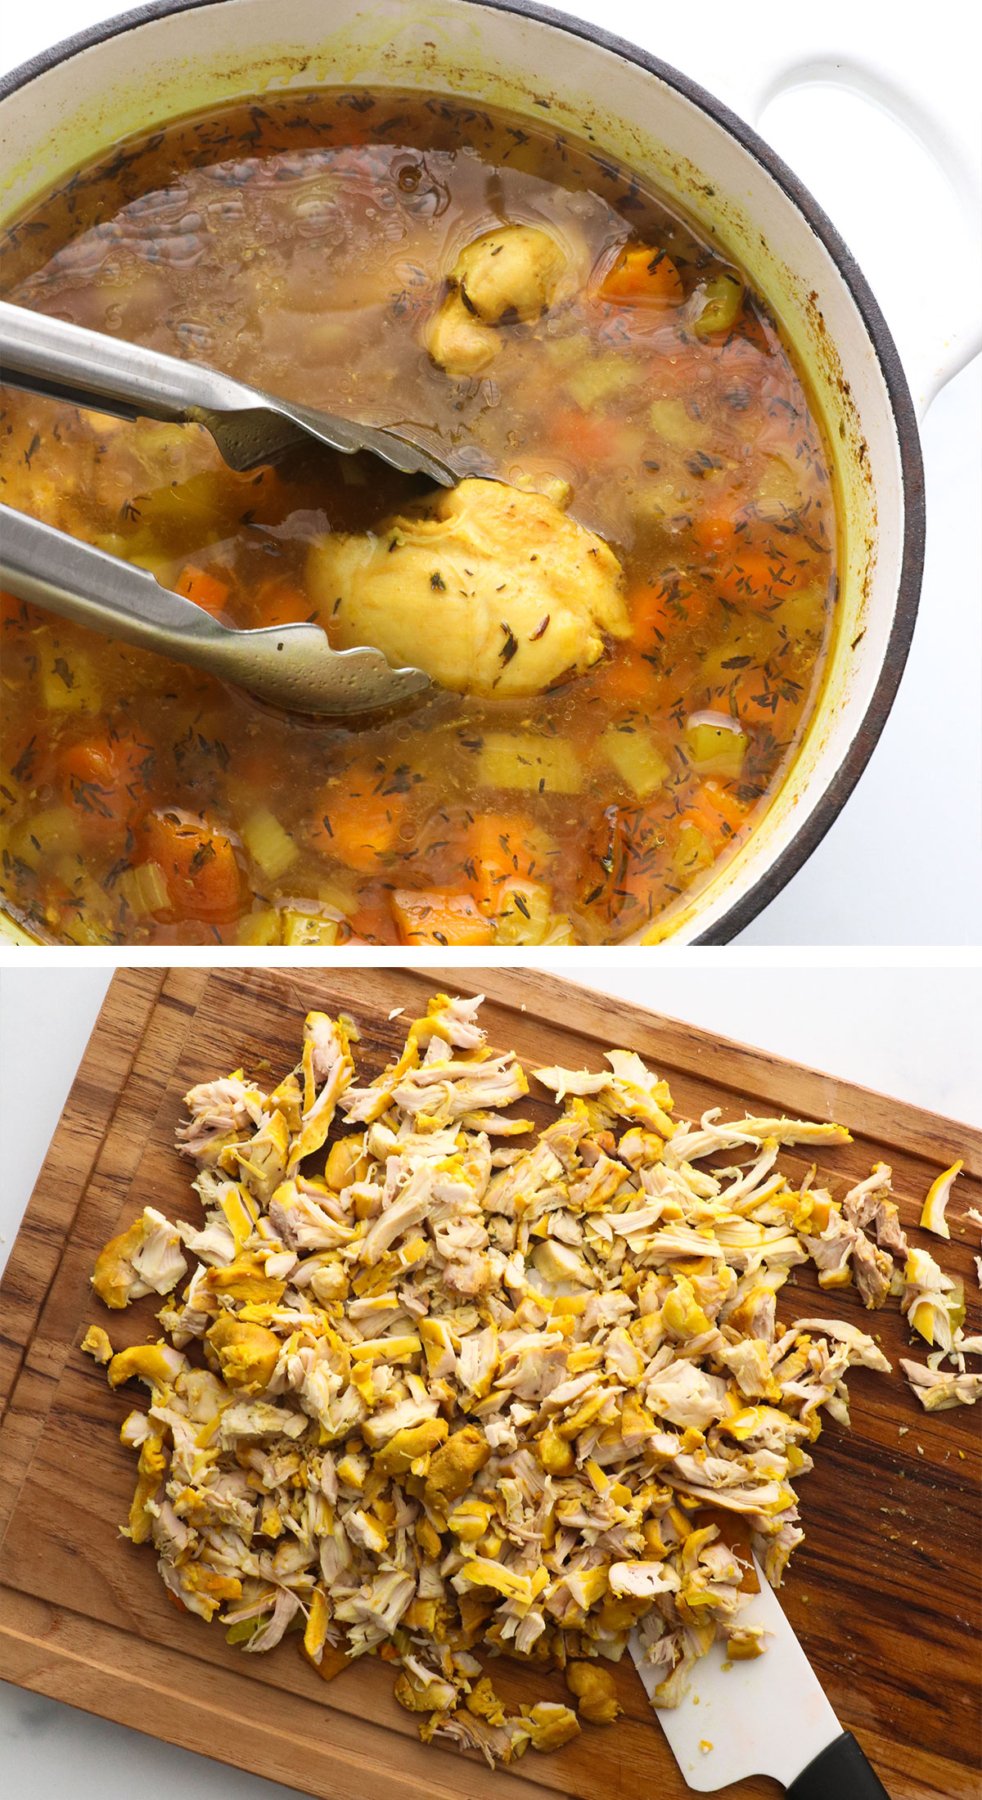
(839, 1772)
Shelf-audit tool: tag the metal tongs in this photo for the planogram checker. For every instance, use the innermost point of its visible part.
(293, 666)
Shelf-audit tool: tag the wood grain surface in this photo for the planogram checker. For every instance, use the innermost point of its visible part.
(884, 1593)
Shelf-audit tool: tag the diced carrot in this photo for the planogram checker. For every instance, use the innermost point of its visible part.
(622, 868)
(661, 609)
(281, 602)
(587, 437)
(203, 877)
(436, 916)
(105, 778)
(628, 681)
(358, 818)
(373, 922)
(715, 528)
(760, 579)
(13, 612)
(643, 276)
(204, 589)
(497, 847)
(759, 703)
(715, 811)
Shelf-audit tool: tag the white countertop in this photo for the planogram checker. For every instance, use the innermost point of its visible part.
(866, 883)
(912, 1033)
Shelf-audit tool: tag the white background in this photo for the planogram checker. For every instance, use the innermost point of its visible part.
(913, 1033)
(903, 863)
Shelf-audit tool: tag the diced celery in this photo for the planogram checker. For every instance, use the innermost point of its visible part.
(560, 930)
(337, 896)
(268, 844)
(752, 644)
(693, 852)
(192, 511)
(263, 927)
(601, 377)
(537, 764)
(68, 683)
(84, 929)
(242, 1631)
(955, 1304)
(144, 889)
(803, 612)
(300, 928)
(523, 912)
(777, 483)
(563, 352)
(658, 500)
(638, 759)
(45, 835)
(670, 420)
(157, 564)
(716, 749)
(722, 297)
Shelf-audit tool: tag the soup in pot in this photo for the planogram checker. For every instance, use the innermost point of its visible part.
(625, 606)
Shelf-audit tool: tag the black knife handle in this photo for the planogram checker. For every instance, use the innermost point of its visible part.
(839, 1772)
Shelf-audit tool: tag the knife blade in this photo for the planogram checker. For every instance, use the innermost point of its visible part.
(766, 1716)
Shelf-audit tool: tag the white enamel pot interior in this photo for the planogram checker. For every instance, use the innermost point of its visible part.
(164, 61)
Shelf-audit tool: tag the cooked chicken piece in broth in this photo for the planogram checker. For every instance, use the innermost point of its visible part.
(458, 341)
(488, 588)
(516, 270)
(513, 273)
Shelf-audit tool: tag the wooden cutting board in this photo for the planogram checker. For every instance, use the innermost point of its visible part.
(884, 1593)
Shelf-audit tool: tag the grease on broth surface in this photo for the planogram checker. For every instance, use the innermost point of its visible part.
(305, 247)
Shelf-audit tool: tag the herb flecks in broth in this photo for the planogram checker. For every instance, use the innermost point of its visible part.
(336, 252)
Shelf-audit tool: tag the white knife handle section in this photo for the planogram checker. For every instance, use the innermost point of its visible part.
(839, 1772)
(767, 1716)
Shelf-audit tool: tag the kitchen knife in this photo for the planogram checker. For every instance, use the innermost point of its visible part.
(767, 1716)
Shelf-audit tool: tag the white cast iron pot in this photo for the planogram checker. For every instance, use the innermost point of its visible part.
(166, 60)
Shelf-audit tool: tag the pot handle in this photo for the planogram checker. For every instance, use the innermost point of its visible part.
(937, 331)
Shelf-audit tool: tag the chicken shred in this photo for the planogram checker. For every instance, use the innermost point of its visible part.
(436, 1400)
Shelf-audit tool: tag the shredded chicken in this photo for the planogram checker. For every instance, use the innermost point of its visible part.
(416, 1400)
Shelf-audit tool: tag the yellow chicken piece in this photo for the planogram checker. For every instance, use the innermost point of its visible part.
(247, 1354)
(96, 1344)
(556, 1456)
(157, 1364)
(113, 1273)
(550, 1724)
(514, 270)
(346, 1162)
(481, 1572)
(484, 1703)
(488, 564)
(470, 1520)
(262, 1159)
(596, 1695)
(432, 1696)
(152, 1467)
(938, 1195)
(245, 1279)
(681, 1313)
(407, 1446)
(453, 1467)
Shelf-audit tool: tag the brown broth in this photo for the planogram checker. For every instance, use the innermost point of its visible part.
(302, 245)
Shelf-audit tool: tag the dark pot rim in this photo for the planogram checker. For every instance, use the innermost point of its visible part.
(826, 809)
